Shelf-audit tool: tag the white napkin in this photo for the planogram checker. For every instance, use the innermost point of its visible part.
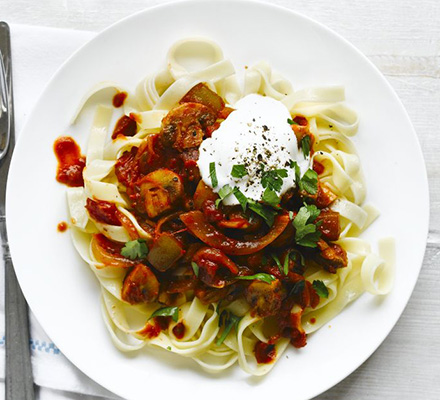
(36, 55)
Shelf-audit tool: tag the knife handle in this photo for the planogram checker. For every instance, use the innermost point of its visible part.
(19, 380)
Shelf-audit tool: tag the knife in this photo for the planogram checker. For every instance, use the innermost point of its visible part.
(19, 381)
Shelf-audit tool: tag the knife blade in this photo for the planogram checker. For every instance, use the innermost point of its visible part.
(18, 379)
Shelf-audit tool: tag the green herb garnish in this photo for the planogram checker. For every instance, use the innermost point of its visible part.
(224, 192)
(228, 321)
(277, 261)
(242, 199)
(309, 182)
(238, 171)
(265, 212)
(320, 288)
(294, 164)
(135, 249)
(213, 174)
(291, 122)
(306, 233)
(286, 264)
(172, 312)
(195, 268)
(273, 179)
(270, 197)
(306, 145)
(268, 278)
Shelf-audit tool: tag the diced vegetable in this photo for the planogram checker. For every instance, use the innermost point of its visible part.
(140, 286)
(108, 252)
(214, 267)
(165, 251)
(209, 295)
(203, 192)
(103, 212)
(264, 298)
(203, 95)
(290, 327)
(329, 227)
(184, 126)
(159, 192)
(324, 197)
(127, 168)
(332, 256)
(199, 226)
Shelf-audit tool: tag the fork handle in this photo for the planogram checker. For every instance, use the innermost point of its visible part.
(19, 381)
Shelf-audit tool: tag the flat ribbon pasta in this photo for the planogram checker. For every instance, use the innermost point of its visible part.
(332, 123)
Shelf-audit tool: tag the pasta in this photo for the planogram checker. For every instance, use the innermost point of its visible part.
(109, 223)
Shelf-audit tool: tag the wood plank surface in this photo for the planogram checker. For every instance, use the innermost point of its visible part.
(402, 38)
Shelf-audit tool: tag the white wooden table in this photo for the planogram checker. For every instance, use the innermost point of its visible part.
(402, 37)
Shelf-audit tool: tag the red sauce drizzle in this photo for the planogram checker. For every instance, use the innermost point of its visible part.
(70, 162)
(312, 320)
(153, 329)
(125, 126)
(119, 98)
(265, 353)
(62, 227)
(179, 330)
(300, 120)
(318, 167)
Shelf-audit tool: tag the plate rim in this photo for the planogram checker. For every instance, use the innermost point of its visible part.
(250, 3)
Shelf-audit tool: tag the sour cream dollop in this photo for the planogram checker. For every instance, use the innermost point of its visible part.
(257, 134)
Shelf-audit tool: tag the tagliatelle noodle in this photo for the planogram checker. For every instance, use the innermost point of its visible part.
(331, 122)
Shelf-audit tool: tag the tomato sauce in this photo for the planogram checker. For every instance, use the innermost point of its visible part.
(179, 330)
(126, 126)
(318, 167)
(265, 353)
(62, 227)
(151, 330)
(103, 211)
(70, 162)
(118, 99)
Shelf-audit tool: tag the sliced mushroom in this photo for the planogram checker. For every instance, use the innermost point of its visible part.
(140, 286)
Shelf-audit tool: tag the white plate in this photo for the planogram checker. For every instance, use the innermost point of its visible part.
(62, 291)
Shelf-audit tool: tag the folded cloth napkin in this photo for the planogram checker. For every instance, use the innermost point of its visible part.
(36, 55)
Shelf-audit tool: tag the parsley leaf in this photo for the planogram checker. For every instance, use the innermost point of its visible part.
(306, 233)
(213, 174)
(266, 213)
(224, 192)
(195, 268)
(314, 212)
(238, 171)
(270, 197)
(277, 261)
(135, 249)
(291, 122)
(306, 145)
(242, 199)
(309, 182)
(286, 264)
(294, 164)
(229, 321)
(268, 278)
(172, 312)
(320, 288)
(273, 179)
